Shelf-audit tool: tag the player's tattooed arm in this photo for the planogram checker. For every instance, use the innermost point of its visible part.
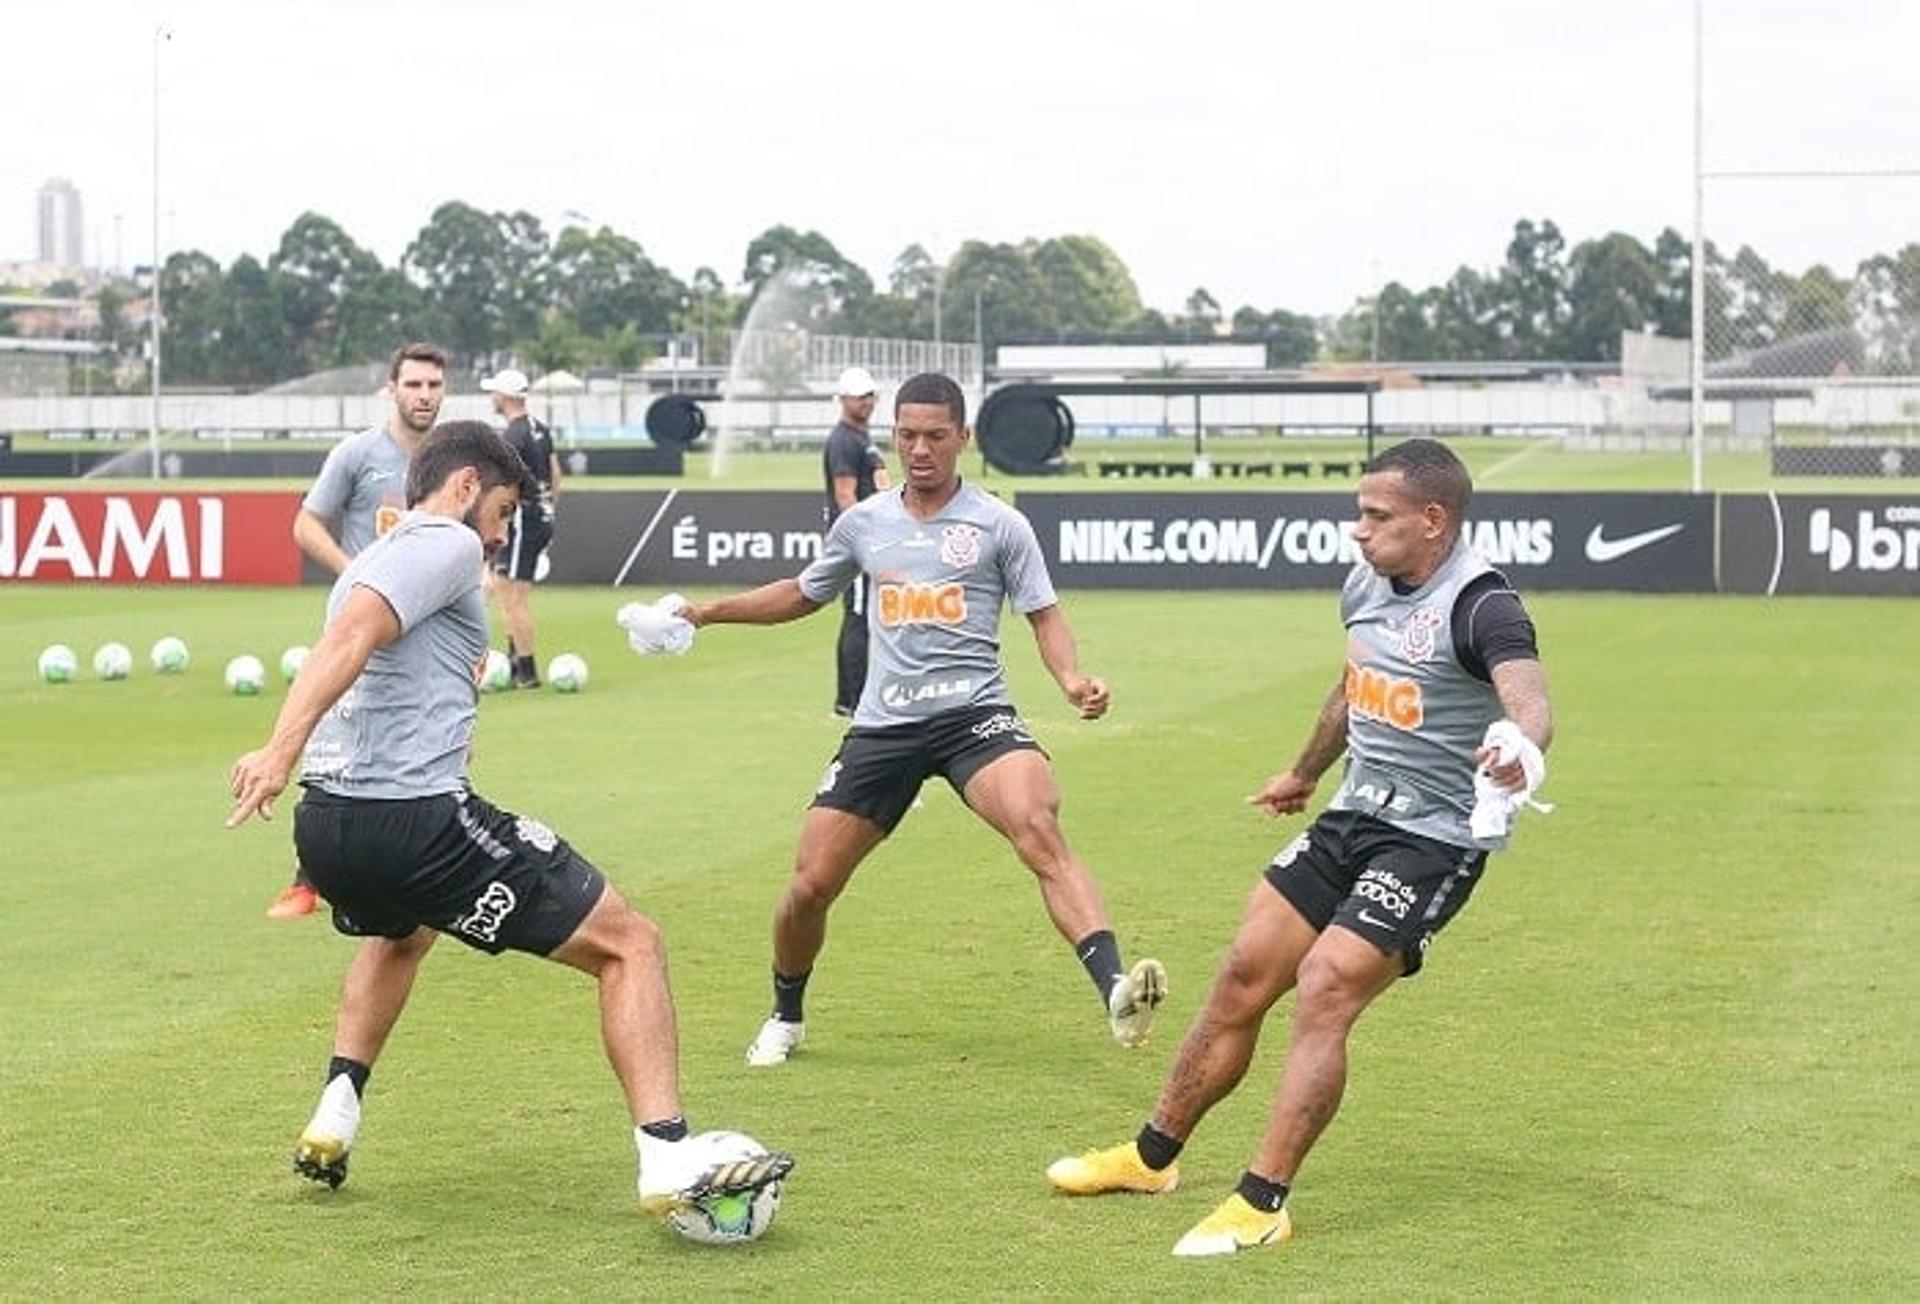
(1286, 793)
(1522, 686)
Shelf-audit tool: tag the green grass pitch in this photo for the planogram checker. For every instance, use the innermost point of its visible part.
(1668, 1051)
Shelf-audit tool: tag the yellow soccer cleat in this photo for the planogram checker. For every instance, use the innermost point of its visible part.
(1235, 1225)
(321, 1158)
(1117, 1169)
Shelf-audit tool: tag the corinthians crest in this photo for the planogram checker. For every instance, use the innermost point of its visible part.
(959, 545)
(1417, 641)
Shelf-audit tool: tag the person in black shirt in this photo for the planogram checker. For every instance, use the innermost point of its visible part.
(855, 470)
(519, 564)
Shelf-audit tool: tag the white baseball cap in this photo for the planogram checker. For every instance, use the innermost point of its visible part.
(511, 382)
(855, 382)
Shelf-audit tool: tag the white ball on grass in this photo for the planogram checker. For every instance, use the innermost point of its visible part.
(113, 661)
(245, 676)
(567, 672)
(496, 672)
(727, 1219)
(169, 655)
(58, 664)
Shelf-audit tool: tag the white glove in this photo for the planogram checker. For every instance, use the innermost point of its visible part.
(657, 627)
(1493, 806)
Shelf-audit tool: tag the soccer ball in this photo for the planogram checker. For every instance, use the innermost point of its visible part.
(113, 661)
(169, 656)
(567, 672)
(727, 1219)
(291, 660)
(58, 664)
(496, 672)
(245, 676)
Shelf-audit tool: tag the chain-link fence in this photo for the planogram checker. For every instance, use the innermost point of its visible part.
(1814, 364)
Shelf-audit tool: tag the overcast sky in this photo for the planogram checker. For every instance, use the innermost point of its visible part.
(1281, 153)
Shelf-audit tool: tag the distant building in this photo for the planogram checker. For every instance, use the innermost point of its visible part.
(60, 225)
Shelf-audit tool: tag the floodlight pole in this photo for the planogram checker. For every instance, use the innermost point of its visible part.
(1697, 362)
(160, 35)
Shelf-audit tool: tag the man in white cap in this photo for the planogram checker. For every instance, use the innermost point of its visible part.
(855, 470)
(517, 565)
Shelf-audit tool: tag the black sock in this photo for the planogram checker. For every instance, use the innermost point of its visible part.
(667, 1129)
(513, 653)
(357, 1073)
(523, 666)
(1156, 1148)
(1101, 956)
(789, 997)
(1260, 1193)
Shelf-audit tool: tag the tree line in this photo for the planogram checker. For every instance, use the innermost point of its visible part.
(496, 285)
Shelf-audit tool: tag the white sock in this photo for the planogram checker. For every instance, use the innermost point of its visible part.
(338, 1113)
(655, 1153)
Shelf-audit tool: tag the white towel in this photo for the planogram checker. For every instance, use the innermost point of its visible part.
(653, 628)
(1493, 806)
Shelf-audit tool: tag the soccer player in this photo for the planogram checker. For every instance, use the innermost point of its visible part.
(943, 556)
(361, 491)
(403, 849)
(518, 565)
(1439, 649)
(854, 472)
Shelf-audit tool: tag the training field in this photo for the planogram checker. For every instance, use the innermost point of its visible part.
(1668, 1051)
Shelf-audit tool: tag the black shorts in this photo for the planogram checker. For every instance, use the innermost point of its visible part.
(877, 773)
(1394, 888)
(457, 864)
(527, 538)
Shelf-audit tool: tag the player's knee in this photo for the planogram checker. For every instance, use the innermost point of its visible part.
(811, 891)
(1331, 994)
(1036, 834)
(1239, 989)
(641, 939)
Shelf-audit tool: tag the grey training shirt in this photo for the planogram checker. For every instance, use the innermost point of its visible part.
(934, 621)
(1415, 713)
(402, 730)
(362, 488)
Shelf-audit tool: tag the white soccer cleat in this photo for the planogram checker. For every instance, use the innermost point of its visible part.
(777, 1040)
(679, 1174)
(321, 1153)
(1134, 998)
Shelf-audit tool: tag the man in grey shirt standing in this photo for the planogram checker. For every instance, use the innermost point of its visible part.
(943, 557)
(390, 831)
(359, 495)
(854, 472)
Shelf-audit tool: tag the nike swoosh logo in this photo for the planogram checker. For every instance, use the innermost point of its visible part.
(1366, 918)
(379, 475)
(1602, 549)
